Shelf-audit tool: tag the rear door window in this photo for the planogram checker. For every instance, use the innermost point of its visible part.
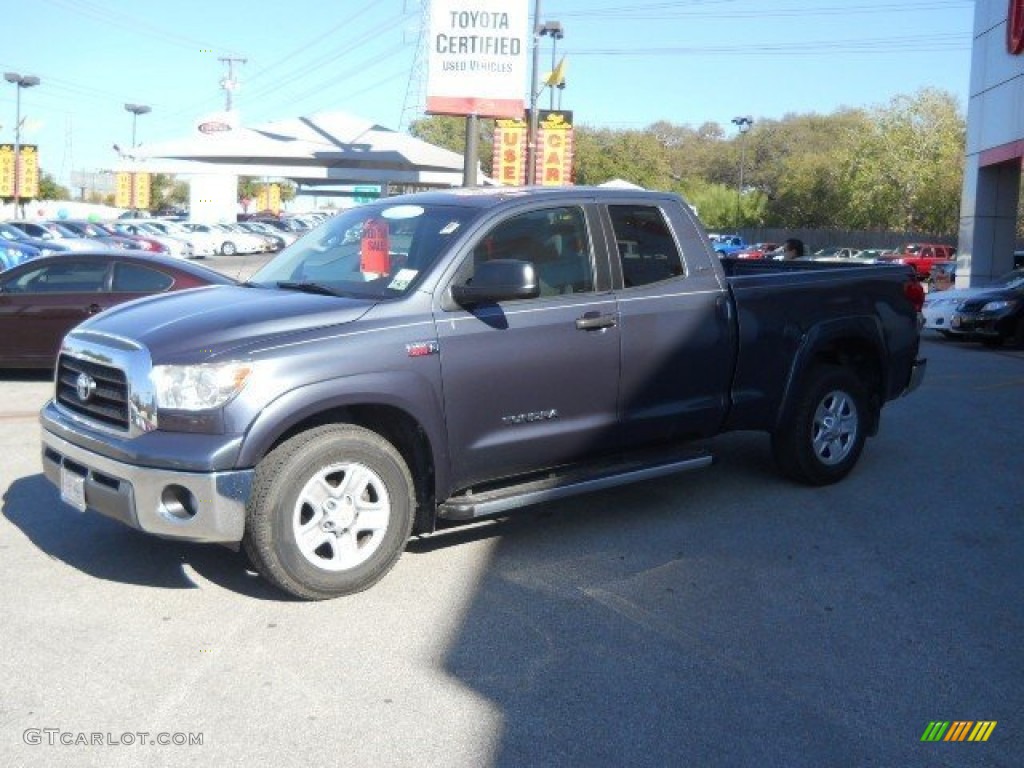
(647, 250)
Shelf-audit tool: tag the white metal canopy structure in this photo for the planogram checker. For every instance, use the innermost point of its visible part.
(325, 149)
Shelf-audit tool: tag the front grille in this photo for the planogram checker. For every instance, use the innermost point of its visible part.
(108, 403)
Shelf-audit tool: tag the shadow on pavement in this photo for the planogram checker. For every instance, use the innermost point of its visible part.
(106, 549)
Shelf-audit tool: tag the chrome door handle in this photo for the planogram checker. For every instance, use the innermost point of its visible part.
(592, 321)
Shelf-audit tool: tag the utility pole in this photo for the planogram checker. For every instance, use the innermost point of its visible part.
(531, 135)
(229, 83)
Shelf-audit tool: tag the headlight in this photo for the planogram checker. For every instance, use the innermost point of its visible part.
(199, 387)
(999, 306)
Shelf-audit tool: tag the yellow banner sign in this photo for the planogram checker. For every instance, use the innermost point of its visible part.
(509, 159)
(132, 190)
(27, 170)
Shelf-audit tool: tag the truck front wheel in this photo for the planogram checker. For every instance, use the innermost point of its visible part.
(330, 512)
(823, 435)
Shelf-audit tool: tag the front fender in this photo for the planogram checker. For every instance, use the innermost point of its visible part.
(405, 391)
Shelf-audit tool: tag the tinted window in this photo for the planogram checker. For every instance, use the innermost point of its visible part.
(646, 247)
(69, 277)
(554, 239)
(133, 278)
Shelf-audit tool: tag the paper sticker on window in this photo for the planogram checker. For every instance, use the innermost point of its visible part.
(402, 279)
(450, 227)
(374, 259)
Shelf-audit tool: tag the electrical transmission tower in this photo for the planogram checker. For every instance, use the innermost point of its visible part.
(416, 91)
(229, 83)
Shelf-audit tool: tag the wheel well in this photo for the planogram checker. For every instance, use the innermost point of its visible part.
(860, 357)
(403, 432)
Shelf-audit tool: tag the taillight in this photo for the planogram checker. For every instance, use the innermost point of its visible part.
(914, 292)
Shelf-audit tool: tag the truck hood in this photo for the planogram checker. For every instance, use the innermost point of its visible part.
(216, 319)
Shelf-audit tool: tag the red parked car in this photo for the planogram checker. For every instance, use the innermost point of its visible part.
(42, 299)
(922, 256)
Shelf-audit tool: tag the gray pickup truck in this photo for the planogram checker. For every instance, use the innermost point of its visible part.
(451, 355)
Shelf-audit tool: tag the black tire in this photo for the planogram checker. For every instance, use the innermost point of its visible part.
(228, 248)
(330, 512)
(824, 432)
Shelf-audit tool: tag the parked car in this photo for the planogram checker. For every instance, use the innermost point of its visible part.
(107, 238)
(757, 251)
(940, 306)
(203, 244)
(942, 276)
(922, 256)
(229, 242)
(48, 230)
(279, 239)
(175, 246)
(13, 253)
(994, 317)
(45, 247)
(727, 245)
(43, 299)
(445, 356)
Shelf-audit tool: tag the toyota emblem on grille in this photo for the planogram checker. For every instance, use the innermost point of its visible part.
(85, 385)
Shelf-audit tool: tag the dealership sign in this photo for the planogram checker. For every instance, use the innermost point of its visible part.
(1015, 27)
(477, 58)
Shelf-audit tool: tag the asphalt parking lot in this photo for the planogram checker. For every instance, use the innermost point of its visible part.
(725, 617)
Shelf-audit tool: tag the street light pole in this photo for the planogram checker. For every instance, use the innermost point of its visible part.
(20, 81)
(531, 131)
(553, 28)
(136, 110)
(743, 124)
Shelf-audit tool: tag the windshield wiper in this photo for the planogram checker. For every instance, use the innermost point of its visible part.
(308, 287)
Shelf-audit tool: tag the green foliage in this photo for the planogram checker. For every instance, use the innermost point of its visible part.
(49, 189)
(450, 132)
(898, 166)
(166, 190)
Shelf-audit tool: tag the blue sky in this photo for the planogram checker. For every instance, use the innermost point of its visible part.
(629, 62)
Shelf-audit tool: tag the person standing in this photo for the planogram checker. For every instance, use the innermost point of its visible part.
(793, 248)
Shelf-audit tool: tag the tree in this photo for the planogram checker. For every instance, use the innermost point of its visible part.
(49, 189)
(449, 132)
(907, 170)
(165, 191)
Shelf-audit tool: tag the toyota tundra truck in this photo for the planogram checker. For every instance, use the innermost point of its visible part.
(435, 358)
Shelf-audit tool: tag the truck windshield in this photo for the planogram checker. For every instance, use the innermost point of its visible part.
(377, 251)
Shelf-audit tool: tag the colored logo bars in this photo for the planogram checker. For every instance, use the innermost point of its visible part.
(958, 730)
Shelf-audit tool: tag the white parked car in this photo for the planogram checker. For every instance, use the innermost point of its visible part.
(176, 246)
(229, 242)
(940, 306)
(203, 244)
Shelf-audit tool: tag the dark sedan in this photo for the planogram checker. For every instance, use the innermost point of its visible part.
(994, 317)
(42, 299)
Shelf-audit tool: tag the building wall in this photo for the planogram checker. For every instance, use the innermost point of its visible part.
(995, 148)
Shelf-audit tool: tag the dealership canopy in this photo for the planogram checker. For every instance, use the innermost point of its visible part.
(324, 149)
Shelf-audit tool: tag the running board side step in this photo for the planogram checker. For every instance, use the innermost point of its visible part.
(469, 506)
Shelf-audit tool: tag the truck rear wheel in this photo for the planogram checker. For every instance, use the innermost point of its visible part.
(823, 436)
(330, 512)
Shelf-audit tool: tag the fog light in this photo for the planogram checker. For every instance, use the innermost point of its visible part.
(178, 502)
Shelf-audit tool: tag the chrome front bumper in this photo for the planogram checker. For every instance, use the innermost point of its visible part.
(193, 506)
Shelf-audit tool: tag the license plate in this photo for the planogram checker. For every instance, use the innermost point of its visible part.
(955, 322)
(72, 489)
